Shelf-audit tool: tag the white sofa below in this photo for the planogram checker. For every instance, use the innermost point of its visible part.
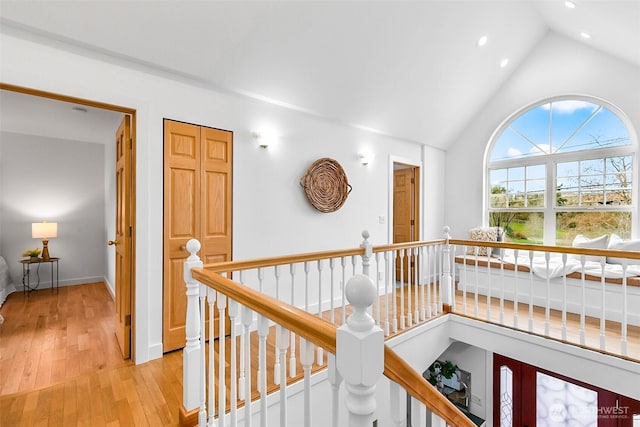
(6, 286)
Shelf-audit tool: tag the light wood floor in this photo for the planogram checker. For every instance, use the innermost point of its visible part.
(53, 374)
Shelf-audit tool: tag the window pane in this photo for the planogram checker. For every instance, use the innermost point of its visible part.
(506, 397)
(536, 172)
(520, 227)
(591, 224)
(592, 167)
(561, 403)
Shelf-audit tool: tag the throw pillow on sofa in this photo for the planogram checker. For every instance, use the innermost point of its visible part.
(616, 242)
(581, 241)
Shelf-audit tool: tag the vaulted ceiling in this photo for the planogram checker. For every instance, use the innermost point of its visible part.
(408, 69)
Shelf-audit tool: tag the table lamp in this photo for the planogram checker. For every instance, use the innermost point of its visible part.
(44, 230)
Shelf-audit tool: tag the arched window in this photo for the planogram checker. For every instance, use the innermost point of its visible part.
(562, 167)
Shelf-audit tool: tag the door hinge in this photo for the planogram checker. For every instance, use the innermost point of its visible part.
(413, 222)
(413, 181)
(130, 143)
(127, 320)
(130, 231)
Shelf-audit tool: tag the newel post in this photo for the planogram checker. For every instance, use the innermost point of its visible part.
(191, 395)
(446, 289)
(368, 251)
(360, 352)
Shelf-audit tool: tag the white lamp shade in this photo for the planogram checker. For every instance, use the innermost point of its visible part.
(44, 230)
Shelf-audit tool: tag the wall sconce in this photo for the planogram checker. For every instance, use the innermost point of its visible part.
(44, 230)
(261, 138)
(366, 158)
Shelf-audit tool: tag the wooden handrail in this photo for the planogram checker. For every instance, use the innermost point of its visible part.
(319, 331)
(280, 260)
(545, 248)
(225, 266)
(398, 370)
(323, 333)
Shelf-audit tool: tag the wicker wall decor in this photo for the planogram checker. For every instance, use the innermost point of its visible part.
(325, 185)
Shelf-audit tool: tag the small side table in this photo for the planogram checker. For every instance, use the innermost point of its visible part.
(34, 263)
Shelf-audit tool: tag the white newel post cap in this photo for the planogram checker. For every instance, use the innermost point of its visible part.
(359, 342)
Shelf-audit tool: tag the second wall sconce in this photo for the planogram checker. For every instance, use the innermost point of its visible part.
(365, 157)
(261, 138)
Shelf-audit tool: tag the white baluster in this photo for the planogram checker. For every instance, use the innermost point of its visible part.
(334, 379)
(429, 286)
(490, 281)
(283, 344)
(623, 332)
(530, 291)
(192, 376)
(547, 306)
(403, 318)
(247, 319)
(515, 290)
(357, 340)
(397, 404)
(423, 290)
(394, 295)
(204, 294)
(476, 251)
(332, 266)
(222, 386)
(416, 292)
(409, 254)
(584, 302)
(387, 295)
(463, 279)
(244, 330)
(564, 297)
(292, 353)
(320, 356)
(277, 366)
(376, 304)
(500, 260)
(306, 358)
(211, 300)
(233, 396)
(263, 331)
(603, 314)
(343, 262)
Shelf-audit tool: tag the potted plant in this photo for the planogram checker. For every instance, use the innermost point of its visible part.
(31, 253)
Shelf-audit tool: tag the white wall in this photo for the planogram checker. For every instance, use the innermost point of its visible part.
(557, 66)
(270, 213)
(58, 181)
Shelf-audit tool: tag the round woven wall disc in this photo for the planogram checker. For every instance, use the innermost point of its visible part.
(325, 185)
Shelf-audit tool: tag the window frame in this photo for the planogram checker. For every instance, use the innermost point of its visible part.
(551, 161)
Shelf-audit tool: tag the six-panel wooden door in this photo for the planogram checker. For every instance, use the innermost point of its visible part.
(197, 204)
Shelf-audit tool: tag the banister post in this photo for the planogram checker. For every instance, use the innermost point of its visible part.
(446, 289)
(191, 395)
(360, 352)
(368, 251)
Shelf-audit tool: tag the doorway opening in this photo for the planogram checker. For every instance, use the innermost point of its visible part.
(124, 206)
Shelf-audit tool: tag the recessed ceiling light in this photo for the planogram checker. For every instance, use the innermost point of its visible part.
(79, 109)
(585, 35)
(569, 4)
(482, 41)
(504, 62)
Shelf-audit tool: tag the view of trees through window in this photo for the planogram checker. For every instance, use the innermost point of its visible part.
(560, 169)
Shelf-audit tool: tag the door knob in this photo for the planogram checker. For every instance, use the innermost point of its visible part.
(112, 242)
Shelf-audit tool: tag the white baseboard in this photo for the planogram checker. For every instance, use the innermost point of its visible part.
(110, 288)
(46, 284)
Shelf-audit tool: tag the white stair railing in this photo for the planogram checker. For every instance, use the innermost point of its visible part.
(358, 339)
(572, 289)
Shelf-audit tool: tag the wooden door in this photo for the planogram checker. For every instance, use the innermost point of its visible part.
(405, 214)
(628, 412)
(123, 237)
(197, 204)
